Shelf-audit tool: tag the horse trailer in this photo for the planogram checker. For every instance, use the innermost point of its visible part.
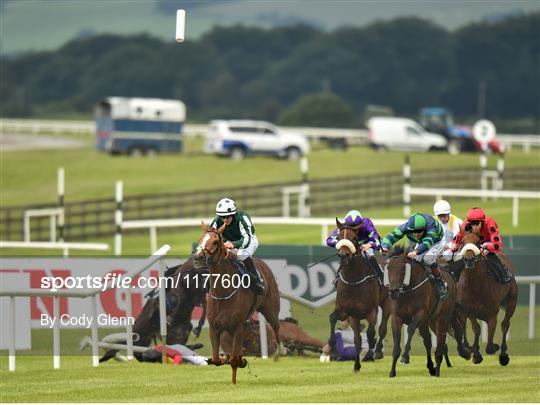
(139, 126)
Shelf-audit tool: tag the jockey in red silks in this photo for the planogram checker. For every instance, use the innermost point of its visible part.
(487, 229)
(482, 225)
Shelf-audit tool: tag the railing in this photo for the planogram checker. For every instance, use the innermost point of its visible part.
(439, 193)
(153, 224)
(525, 141)
(159, 255)
(327, 196)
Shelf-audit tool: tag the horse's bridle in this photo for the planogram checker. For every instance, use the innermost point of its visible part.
(207, 254)
(402, 290)
(355, 254)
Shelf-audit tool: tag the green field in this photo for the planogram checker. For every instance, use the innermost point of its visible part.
(29, 177)
(287, 380)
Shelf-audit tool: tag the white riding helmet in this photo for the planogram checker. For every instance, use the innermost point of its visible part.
(225, 207)
(442, 207)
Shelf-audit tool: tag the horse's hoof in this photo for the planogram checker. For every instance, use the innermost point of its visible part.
(432, 371)
(404, 360)
(369, 356)
(243, 363)
(492, 349)
(504, 359)
(477, 359)
(392, 374)
(379, 355)
(465, 353)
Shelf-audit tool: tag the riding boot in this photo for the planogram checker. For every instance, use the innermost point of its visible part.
(440, 284)
(376, 268)
(250, 268)
(503, 274)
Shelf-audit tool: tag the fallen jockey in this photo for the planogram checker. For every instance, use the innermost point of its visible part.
(368, 239)
(426, 234)
(345, 350)
(239, 236)
(175, 354)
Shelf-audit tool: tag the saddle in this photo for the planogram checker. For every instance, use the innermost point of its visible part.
(240, 268)
(498, 269)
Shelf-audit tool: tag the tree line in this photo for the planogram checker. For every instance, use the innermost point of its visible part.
(235, 72)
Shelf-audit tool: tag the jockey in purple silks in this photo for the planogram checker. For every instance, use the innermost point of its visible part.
(368, 239)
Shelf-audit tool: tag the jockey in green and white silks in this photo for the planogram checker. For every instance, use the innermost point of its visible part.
(427, 236)
(239, 235)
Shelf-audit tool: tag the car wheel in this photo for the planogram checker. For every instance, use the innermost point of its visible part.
(454, 147)
(150, 152)
(237, 153)
(135, 152)
(293, 153)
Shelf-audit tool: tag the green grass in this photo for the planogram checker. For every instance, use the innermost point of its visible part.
(288, 380)
(29, 177)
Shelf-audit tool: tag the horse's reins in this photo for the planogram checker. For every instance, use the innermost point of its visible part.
(207, 253)
(365, 256)
(409, 290)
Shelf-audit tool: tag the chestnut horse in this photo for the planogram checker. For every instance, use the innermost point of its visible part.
(480, 296)
(415, 303)
(359, 294)
(229, 307)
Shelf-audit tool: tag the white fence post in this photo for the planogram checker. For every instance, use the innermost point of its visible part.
(12, 334)
(118, 218)
(61, 190)
(263, 337)
(95, 336)
(532, 308)
(406, 187)
(56, 332)
(305, 188)
(515, 211)
(129, 327)
(153, 239)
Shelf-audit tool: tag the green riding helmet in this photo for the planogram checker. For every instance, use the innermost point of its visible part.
(416, 222)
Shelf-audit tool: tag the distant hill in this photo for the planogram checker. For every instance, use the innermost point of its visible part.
(48, 24)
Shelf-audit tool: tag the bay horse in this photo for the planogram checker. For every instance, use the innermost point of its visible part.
(480, 296)
(359, 294)
(415, 303)
(228, 307)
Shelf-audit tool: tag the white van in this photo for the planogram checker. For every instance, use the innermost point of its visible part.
(394, 133)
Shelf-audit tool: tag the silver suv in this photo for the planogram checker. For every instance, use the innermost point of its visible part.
(239, 138)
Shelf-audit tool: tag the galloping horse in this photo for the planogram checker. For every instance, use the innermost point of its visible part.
(415, 303)
(480, 296)
(229, 307)
(359, 294)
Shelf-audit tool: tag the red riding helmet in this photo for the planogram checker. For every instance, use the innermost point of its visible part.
(476, 214)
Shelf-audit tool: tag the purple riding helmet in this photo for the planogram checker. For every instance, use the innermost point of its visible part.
(353, 218)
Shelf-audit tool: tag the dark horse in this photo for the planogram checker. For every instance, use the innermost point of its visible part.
(182, 295)
(415, 303)
(480, 296)
(359, 294)
(229, 306)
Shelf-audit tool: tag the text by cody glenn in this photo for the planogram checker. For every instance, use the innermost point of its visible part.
(85, 321)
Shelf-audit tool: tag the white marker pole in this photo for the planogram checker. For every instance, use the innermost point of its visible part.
(180, 25)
